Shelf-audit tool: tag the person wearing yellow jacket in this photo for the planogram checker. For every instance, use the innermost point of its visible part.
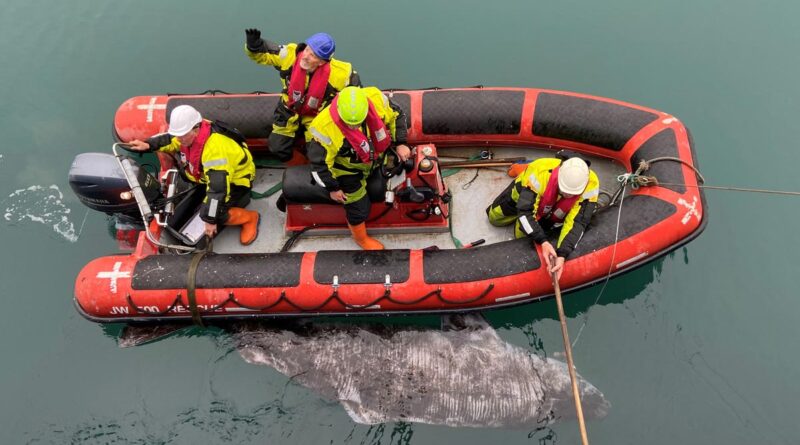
(214, 154)
(549, 194)
(349, 139)
(310, 78)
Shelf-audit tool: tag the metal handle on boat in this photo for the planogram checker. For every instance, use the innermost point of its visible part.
(387, 282)
(141, 201)
(414, 195)
(169, 178)
(133, 182)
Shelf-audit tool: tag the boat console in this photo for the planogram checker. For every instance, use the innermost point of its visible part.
(406, 197)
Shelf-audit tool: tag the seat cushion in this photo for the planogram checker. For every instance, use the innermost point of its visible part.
(300, 187)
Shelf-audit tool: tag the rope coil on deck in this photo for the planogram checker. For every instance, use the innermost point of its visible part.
(637, 179)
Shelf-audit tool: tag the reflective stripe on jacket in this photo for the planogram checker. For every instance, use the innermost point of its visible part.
(330, 153)
(535, 178)
(221, 153)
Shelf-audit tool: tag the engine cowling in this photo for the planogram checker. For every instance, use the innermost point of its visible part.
(99, 183)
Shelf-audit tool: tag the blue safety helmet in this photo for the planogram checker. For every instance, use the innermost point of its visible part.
(322, 44)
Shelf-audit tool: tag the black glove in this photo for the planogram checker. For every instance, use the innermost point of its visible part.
(253, 38)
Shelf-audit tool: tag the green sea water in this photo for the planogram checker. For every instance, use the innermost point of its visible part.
(697, 348)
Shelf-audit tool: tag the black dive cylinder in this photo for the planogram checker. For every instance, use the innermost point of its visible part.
(99, 183)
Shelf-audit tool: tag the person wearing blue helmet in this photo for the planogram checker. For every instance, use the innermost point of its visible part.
(310, 77)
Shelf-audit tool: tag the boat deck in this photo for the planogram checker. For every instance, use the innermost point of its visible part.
(469, 222)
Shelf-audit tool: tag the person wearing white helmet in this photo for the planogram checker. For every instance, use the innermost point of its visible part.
(351, 137)
(214, 154)
(310, 78)
(549, 194)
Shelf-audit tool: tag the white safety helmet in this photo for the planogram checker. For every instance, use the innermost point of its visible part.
(573, 176)
(182, 119)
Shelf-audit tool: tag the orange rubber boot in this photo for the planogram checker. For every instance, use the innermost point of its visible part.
(362, 239)
(248, 219)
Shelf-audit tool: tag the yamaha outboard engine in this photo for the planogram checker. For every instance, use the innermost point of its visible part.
(100, 184)
(133, 195)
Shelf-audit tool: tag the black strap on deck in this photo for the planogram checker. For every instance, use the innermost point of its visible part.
(191, 283)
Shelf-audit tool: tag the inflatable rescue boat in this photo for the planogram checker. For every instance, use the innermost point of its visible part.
(304, 262)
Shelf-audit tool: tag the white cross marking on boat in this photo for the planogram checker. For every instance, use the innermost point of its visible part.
(692, 210)
(113, 275)
(151, 106)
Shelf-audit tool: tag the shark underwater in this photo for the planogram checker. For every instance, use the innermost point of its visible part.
(461, 375)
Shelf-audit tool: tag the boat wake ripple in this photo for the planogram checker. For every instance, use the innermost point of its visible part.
(43, 205)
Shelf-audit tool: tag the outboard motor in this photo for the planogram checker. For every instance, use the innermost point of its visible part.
(100, 184)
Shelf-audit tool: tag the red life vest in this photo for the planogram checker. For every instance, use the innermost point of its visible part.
(192, 155)
(550, 206)
(381, 139)
(306, 103)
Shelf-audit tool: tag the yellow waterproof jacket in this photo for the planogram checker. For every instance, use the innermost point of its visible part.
(332, 156)
(283, 58)
(534, 179)
(221, 154)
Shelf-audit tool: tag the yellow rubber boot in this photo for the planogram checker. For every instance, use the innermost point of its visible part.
(362, 239)
(248, 219)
